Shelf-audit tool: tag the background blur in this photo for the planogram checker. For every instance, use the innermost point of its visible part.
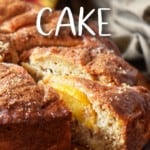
(129, 24)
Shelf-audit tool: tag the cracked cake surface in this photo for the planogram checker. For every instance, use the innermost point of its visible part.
(76, 87)
(30, 111)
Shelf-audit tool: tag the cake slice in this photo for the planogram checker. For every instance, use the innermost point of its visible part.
(105, 117)
(31, 116)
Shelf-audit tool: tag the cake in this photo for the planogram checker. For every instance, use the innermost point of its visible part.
(64, 90)
(30, 114)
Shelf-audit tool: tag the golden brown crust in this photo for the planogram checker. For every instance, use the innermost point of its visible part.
(11, 8)
(28, 109)
(25, 93)
(35, 136)
(10, 26)
(16, 78)
(112, 68)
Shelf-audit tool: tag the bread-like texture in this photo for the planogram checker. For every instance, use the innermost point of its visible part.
(122, 114)
(97, 64)
(121, 110)
(30, 114)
